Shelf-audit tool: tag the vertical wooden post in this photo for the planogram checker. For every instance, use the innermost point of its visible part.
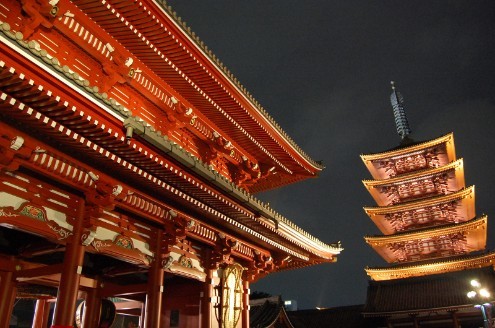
(206, 305)
(7, 297)
(41, 312)
(245, 303)
(415, 321)
(92, 308)
(154, 294)
(142, 316)
(65, 307)
(455, 320)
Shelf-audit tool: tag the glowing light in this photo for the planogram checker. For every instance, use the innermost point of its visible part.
(483, 292)
(471, 294)
(475, 283)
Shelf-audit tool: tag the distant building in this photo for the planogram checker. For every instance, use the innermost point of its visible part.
(432, 238)
(270, 313)
(290, 305)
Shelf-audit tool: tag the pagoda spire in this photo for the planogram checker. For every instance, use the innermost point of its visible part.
(399, 113)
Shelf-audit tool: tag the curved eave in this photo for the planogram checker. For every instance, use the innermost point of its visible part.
(448, 138)
(438, 267)
(268, 227)
(457, 165)
(465, 211)
(414, 205)
(471, 225)
(230, 82)
(150, 31)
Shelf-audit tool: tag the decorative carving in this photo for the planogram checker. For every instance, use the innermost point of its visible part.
(87, 237)
(103, 193)
(12, 147)
(17, 143)
(98, 244)
(62, 232)
(415, 250)
(38, 13)
(116, 71)
(33, 212)
(185, 262)
(3, 213)
(167, 262)
(428, 158)
(28, 212)
(424, 217)
(117, 190)
(124, 242)
(190, 224)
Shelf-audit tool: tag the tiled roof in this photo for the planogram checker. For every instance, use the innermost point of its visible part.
(420, 293)
(409, 145)
(268, 313)
(342, 317)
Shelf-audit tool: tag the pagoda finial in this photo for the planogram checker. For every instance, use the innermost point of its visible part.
(399, 113)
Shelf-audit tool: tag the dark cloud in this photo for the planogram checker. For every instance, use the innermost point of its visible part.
(322, 70)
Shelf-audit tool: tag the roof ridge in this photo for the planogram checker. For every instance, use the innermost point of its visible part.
(187, 29)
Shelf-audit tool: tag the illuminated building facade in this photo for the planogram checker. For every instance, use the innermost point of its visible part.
(431, 235)
(128, 159)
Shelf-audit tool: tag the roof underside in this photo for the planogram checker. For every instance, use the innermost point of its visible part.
(189, 70)
(49, 96)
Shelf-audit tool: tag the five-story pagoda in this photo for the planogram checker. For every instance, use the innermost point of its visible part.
(431, 233)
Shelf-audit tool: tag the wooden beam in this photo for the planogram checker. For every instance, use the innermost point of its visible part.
(128, 305)
(110, 289)
(40, 271)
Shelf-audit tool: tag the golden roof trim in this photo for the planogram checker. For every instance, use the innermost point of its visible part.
(414, 175)
(448, 265)
(397, 152)
(380, 210)
(427, 233)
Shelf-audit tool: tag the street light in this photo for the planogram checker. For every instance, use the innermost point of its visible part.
(480, 296)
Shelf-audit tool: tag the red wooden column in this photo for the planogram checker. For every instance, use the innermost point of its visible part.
(206, 301)
(41, 312)
(155, 287)
(245, 303)
(7, 297)
(65, 307)
(92, 308)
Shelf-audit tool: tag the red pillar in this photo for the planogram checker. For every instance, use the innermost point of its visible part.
(155, 287)
(92, 308)
(206, 305)
(65, 307)
(245, 303)
(7, 297)
(41, 312)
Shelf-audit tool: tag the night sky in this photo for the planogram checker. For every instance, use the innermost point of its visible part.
(322, 69)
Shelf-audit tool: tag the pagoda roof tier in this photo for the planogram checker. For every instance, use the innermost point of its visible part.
(443, 209)
(384, 165)
(437, 266)
(425, 295)
(419, 184)
(72, 125)
(439, 241)
(161, 41)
